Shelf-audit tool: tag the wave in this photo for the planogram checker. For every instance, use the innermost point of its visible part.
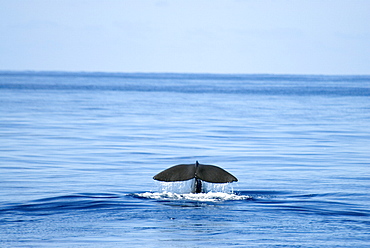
(98, 202)
(66, 203)
(261, 201)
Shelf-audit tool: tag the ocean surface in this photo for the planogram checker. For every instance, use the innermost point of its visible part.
(78, 152)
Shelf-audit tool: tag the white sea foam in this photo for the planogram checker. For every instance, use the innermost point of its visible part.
(202, 197)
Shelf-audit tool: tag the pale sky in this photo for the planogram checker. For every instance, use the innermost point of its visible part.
(199, 36)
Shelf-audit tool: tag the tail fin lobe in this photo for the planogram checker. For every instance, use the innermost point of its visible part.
(183, 172)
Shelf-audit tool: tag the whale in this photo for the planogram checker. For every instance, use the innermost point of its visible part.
(200, 172)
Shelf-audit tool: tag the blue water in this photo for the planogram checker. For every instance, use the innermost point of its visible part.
(78, 152)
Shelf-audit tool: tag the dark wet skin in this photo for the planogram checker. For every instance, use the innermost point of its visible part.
(198, 186)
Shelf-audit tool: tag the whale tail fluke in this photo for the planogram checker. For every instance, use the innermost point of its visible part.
(181, 172)
(207, 173)
(214, 174)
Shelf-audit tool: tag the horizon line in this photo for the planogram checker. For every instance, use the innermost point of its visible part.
(178, 73)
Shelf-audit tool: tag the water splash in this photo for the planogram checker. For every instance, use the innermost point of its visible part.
(201, 197)
(175, 187)
(183, 187)
(213, 192)
(218, 187)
